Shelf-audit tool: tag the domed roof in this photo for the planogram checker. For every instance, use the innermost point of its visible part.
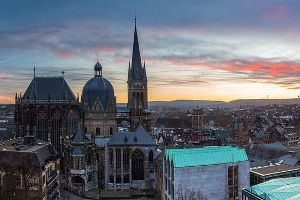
(98, 87)
(98, 66)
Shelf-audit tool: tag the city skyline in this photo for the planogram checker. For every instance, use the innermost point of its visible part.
(198, 50)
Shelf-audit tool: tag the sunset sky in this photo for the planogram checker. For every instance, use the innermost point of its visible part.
(200, 50)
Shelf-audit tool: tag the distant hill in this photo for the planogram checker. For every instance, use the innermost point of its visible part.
(241, 103)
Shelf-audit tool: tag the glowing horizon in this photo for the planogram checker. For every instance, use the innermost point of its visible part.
(210, 50)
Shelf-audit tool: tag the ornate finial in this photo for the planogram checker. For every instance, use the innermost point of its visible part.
(63, 73)
(97, 57)
(134, 16)
(34, 71)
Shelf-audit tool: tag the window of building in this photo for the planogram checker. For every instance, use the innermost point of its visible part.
(111, 178)
(126, 158)
(118, 157)
(126, 178)
(111, 156)
(151, 156)
(111, 130)
(97, 131)
(138, 165)
(232, 181)
(118, 178)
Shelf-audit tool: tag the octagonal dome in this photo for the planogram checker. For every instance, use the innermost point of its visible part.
(98, 93)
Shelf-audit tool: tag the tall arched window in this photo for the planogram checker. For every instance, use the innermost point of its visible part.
(126, 158)
(72, 122)
(42, 124)
(111, 178)
(151, 156)
(97, 131)
(118, 178)
(56, 125)
(118, 157)
(126, 178)
(110, 156)
(137, 165)
(111, 130)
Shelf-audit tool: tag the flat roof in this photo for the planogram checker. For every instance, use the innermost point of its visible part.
(274, 169)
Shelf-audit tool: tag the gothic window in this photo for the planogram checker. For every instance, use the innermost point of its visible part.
(56, 125)
(126, 178)
(85, 130)
(111, 105)
(118, 178)
(72, 123)
(142, 99)
(89, 156)
(111, 130)
(151, 156)
(126, 158)
(42, 124)
(85, 105)
(138, 165)
(110, 156)
(118, 157)
(97, 131)
(97, 105)
(111, 178)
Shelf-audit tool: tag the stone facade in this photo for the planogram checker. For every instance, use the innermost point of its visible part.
(129, 161)
(210, 181)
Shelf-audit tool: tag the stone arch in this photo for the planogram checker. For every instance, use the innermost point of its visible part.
(97, 104)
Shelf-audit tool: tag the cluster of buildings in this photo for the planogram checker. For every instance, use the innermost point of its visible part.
(94, 144)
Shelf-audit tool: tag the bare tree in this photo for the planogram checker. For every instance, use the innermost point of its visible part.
(21, 180)
(185, 193)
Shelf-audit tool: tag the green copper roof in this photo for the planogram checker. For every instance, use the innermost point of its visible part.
(205, 156)
(275, 189)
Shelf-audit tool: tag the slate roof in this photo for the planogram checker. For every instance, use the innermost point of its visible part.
(291, 160)
(55, 88)
(138, 138)
(275, 146)
(79, 137)
(281, 188)
(205, 156)
(98, 87)
(223, 134)
(136, 71)
(36, 158)
(77, 150)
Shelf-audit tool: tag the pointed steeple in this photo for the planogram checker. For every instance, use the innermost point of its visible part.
(136, 65)
(129, 72)
(145, 74)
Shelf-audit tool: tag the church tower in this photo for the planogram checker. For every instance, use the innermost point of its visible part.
(137, 88)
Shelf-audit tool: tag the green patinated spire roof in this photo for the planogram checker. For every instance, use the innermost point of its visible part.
(193, 157)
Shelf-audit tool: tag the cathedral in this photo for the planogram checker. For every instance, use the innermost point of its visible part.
(85, 132)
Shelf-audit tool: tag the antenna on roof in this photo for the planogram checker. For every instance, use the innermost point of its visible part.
(97, 57)
(34, 71)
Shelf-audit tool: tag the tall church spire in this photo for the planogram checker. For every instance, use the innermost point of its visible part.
(136, 65)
